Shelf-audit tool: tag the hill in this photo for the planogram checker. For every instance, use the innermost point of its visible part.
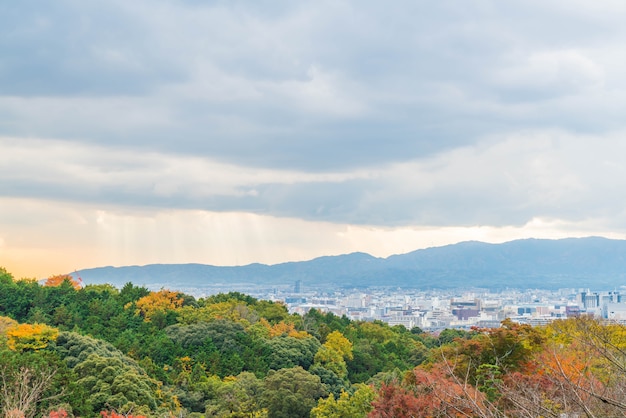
(530, 263)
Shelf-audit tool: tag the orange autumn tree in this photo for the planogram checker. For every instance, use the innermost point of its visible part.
(430, 393)
(579, 369)
(58, 279)
(583, 365)
(282, 328)
(158, 303)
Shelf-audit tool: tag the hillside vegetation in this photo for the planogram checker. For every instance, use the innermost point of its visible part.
(67, 350)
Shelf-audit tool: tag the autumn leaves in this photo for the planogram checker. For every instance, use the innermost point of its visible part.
(230, 355)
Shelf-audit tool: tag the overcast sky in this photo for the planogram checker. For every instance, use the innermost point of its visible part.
(230, 132)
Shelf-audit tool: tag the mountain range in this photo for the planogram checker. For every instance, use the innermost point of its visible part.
(591, 262)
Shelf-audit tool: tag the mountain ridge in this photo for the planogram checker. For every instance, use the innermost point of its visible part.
(524, 263)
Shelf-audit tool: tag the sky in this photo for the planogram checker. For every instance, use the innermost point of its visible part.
(232, 132)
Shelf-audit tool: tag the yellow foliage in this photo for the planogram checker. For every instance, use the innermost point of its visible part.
(358, 404)
(282, 328)
(173, 404)
(185, 364)
(23, 337)
(334, 353)
(158, 302)
(232, 310)
(332, 360)
(337, 342)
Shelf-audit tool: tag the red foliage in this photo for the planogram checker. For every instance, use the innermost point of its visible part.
(59, 413)
(113, 414)
(427, 394)
(396, 402)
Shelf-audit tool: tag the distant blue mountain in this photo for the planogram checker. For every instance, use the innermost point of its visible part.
(530, 263)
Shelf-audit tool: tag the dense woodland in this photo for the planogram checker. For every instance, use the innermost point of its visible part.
(68, 350)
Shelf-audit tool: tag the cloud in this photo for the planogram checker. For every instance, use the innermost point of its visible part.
(477, 114)
(318, 86)
(68, 49)
(550, 75)
(499, 181)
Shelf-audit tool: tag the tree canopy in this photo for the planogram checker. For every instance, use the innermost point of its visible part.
(100, 351)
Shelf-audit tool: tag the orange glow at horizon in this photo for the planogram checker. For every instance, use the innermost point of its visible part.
(40, 239)
(37, 264)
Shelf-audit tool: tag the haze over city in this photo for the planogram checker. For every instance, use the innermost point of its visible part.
(235, 132)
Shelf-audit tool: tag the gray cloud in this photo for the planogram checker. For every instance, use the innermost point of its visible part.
(299, 90)
(70, 48)
(500, 181)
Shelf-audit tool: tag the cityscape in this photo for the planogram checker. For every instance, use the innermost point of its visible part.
(438, 309)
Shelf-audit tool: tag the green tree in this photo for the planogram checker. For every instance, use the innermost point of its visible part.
(17, 298)
(222, 346)
(238, 397)
(109, 378)
(291, 393)
(335, 384)
(334, 353)
(286, 352)
(225, 297)
(272, 311)
(33, 381)
(357, 405)
(5, 276)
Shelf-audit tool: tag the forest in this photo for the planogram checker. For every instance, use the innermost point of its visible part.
(68, 350)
